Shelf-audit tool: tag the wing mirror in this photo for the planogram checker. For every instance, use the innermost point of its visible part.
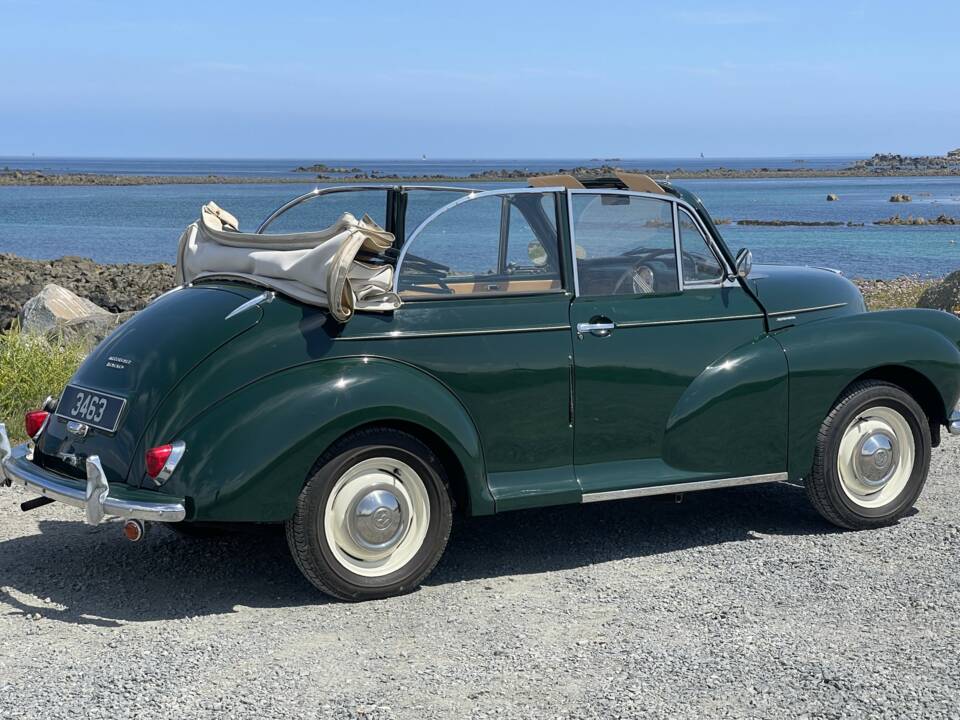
(744, 262)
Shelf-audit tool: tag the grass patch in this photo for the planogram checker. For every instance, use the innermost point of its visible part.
(32, 367)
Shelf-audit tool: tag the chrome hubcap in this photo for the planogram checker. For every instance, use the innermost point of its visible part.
(876, 458)
(378, 519)
(376, 516)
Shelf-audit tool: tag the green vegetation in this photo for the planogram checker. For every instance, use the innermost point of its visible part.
(902, 292)
(31, 367)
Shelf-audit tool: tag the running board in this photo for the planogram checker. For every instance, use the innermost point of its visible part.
(683, 487)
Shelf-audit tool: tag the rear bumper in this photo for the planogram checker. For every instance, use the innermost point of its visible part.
(96, 496)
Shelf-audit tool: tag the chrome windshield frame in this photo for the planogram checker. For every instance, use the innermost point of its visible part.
(331, 189)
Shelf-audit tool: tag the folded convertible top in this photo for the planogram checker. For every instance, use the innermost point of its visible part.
(317, 268)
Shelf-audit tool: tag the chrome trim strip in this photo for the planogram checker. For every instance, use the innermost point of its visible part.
(684, 487)
(807, 309)
(16, 466)
(645, 323)
(473, 195)
(401, 335)
(677, 251)
(264, 297)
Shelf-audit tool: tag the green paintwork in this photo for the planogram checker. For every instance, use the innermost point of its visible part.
(707, 383)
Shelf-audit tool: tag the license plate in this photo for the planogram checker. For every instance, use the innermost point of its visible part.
(90, 407)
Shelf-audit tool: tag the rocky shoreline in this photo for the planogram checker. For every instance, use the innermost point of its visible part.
(117, 288)
(880, 165)
(123, 288)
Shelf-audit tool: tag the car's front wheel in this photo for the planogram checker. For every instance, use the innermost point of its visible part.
(374, 517)
(872, 457)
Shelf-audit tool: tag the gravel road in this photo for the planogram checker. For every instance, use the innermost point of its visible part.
(735, 603)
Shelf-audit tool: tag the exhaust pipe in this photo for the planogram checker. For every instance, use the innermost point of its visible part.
(134, 530)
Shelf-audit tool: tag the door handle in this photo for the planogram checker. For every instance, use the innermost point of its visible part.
(601, 327)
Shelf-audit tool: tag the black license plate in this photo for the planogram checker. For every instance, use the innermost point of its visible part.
(90, 407)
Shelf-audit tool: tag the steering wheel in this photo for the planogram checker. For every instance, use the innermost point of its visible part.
(641, 278)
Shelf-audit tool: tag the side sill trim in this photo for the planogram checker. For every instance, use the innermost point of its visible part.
(400, 335)
(683, 487)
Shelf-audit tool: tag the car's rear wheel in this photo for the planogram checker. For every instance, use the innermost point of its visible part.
(374, 517)
(872, 457)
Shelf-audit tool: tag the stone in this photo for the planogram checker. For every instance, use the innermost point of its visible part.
(89, 330)
(900, 197)
(53, 306)
(832, 197)
(944, 295)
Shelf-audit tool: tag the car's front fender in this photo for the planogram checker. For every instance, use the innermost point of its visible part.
(249, 455)
(825, 357)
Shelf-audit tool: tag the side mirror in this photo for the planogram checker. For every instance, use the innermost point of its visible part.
(744, 262)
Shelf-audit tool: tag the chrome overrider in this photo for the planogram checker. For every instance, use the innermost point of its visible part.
(16, 466)
(953, 422)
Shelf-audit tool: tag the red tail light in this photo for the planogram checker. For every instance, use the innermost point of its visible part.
(161, 461)
(156, 458)
(34, 420)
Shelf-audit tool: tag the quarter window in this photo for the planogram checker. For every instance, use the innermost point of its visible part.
(699, 262)
(494, 244)
(624, 245)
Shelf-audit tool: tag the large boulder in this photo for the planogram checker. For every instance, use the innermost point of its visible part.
(54, 306)
(944, 295)
(89, 330)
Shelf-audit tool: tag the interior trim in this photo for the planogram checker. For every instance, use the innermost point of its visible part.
(684, 487)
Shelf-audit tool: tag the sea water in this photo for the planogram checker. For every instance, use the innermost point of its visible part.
(142, 223)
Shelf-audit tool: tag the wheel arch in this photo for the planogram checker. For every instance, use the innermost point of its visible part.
(456, 473)
(913, 349)
(257, 445)
(917, 385)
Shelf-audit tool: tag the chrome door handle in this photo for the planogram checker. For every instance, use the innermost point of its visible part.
(601, 329)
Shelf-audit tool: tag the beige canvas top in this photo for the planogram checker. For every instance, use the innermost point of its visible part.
(563, 180)
(317, 268)
(639, 182)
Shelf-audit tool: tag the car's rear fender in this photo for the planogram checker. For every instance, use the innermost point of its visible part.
(825, 357)
(249, 455)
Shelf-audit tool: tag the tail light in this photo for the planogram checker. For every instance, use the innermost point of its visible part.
(33, 421)
(162, 460)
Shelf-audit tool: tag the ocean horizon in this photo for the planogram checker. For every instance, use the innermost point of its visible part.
(142, 223)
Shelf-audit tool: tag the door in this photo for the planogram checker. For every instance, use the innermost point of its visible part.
(486, 311)
(675, 377)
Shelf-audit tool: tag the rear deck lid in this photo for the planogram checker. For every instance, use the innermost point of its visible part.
(140, 364)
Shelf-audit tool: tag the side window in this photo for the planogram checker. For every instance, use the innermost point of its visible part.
(495, 244)
(624, 245)
(699, 262)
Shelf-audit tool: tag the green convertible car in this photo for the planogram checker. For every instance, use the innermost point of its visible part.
(575, 341)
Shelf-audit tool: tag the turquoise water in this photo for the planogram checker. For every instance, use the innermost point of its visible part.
(142, 223)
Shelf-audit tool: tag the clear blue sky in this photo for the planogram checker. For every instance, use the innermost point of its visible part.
(487, 80)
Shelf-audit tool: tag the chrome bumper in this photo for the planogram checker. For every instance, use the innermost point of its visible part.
(16, 466)
(953, 423)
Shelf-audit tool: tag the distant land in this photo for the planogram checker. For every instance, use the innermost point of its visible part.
(880, 165)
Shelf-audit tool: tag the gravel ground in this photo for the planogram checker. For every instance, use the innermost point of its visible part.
(735, 603)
